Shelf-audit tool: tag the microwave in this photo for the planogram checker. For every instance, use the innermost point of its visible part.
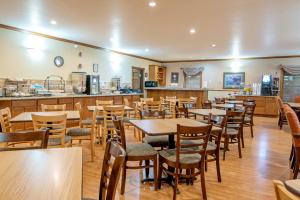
(151, 84)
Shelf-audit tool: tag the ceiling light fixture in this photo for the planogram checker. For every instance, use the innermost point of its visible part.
(53, 22)
(152, 4)
(213, 45)
(146, 50)
(192, 31)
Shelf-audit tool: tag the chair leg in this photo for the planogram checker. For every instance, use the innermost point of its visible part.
(205, 160)
(251, 129)
(203, 182)
(239, 146)
(225, 146)
(175, 187)
(123, 179)
(92, 148)
(147, 164)
(218, 166)
(242, 137)
(296, 167)
(159, 174)
(155, 172)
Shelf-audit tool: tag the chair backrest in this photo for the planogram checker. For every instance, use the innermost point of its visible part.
(207, 104)
(196, 134)
(217, 121)
(144, 100)
(249, 108)
(111, 168)
(292, 119)
(182, 101)
(28, 136)
(171, 97)
(109, 112)
(5, 116)
(152, 114)
(104, 103)
(120, 136)
(297, 99)
(55, 123)
(235, 119)
(181, 112)
(49, 108)
(282, 193)
(172, 108)
(78, 107)
(279, 105)
(219, 100)
(153, 106)
(126, 102)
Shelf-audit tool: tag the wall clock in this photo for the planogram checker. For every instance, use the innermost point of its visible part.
(59, 61)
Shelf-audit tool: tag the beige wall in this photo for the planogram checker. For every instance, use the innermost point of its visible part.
(213, 70)
(17, 60)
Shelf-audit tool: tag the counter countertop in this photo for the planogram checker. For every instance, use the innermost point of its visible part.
(64, 96)
(184, 89)
(244, 95)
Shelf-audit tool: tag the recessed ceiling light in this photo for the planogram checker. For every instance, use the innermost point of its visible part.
(192, 31)
(152, 4)
(146, 50)
(213, 45)
(75, 46)
(53, 22)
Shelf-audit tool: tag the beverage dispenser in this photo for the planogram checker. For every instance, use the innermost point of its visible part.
(92, 84)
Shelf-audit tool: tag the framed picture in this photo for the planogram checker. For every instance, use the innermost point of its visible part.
(233, 80)
(174, 77)
(95, 68)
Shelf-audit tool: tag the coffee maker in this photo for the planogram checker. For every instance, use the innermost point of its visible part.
(266, 85)
(92, 84)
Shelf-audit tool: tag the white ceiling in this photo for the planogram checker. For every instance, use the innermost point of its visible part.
(239, 28)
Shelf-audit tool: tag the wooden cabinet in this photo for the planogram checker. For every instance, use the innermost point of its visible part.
(20, 106)
(46, 102)
(158, 73)
(265, 105)
(68, 101)
(118, 100)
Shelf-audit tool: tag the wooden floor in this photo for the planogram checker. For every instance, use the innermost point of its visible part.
(265, 157)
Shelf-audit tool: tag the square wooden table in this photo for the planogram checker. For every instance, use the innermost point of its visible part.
(155, 127)
(225, 106)
(26, 116)
(41, 174)
(100, 108)
(293, 105)
(206, 112)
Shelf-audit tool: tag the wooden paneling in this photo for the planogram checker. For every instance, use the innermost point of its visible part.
(68, 101)
(20, 106)
(118, 100)
(46, 102)
(5, 104)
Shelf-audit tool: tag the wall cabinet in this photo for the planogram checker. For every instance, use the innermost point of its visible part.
(158, 73)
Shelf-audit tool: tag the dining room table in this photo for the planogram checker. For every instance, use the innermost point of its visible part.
(27, 116)
(54, 174)
(293, 186)
(234, 102)
(293, 105)
(207, 112)
(225, 106)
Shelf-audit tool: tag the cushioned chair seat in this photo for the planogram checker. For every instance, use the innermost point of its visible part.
(57, 141)
(232, 131)
(170, 154)
(79, 132)
(89, 122)
(247, 120)
(140, 149)
(157, 141)
(211, 146)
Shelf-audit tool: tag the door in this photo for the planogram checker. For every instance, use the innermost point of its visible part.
(138, 78)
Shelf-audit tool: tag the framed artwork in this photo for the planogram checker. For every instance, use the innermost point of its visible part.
(233, 80)
(95, 68)
(174, 77)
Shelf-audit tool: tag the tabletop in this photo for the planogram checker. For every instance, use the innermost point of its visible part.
(224, 106)
(92, 108)
(293, 186)
(41, 174)
(26, 116)
(234, 101)
(155, 127)
(293, 105)
(206, 112)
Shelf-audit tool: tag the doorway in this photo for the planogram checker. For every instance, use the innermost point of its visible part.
(138, 78)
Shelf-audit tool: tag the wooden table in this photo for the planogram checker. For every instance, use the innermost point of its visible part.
(26, 116)
(100, 108)
(41, 174)
(224, 106)
(234, 102)
(293, 105)
(206, 112)
(155, 127)
(293, 186)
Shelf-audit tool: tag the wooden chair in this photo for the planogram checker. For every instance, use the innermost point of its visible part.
(171, 98)
(194, 100)
(282, 193)
(295, 130)
(109, 112)
(233, 130)
(22, 137)
(57, 129)
(249, 114)
(182, 101)
(213, 146)
(113, 161)
(104, 103)
(49, 108)
(297, 99)
(183, 112)
(144, 100)
(171, 110)
(282, 118)
(5, 117)
(207, 105)
(220, 100)
(136, 152)
(188, 156)
(85, 131)
(154, 141)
